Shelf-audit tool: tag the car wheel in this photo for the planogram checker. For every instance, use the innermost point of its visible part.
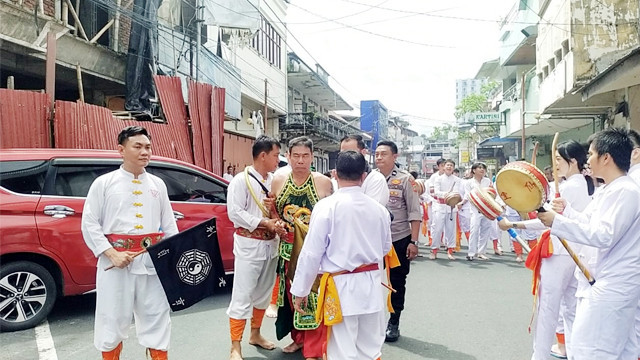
(27, 295)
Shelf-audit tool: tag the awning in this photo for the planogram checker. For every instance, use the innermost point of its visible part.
(310, 84)
(497, 141)
(622, 74)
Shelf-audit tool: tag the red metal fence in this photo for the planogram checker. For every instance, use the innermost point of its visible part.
(24, 122)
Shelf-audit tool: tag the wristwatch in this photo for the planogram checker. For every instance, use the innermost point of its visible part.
(414, 242)
(514, 225)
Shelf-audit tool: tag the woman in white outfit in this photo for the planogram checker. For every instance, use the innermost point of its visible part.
(480, 225)
(557, 281)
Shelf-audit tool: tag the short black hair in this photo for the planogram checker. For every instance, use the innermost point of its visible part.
(390, 144)
(548, 167)
(357, 138)
(440, 161)
(301, 141)
(476, 165)
(414, 174)
(635, 138)
(450, 161)
(130, 131)
(350, 165)
(615, 142)
(263, 143)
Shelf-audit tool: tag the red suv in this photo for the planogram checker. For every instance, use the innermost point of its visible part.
(42, 252)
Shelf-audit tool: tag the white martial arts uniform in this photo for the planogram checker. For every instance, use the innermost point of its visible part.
(348, 230)
(464, 214)
(429, 184)
(604, 323)
(480, 226)
(117, 203)
(557, 281)
(445, 216)
(255, 260)
(374, 185)
(634, 173)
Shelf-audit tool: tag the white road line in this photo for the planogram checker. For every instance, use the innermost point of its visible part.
(46, 348)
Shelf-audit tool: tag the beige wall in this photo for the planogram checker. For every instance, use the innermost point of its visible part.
(634, 107)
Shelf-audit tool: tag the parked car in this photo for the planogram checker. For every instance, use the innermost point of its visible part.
(42, 252)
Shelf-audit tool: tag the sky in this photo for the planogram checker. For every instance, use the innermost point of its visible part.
(382, 50)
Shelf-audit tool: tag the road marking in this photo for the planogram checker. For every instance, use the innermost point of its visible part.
(46, 348)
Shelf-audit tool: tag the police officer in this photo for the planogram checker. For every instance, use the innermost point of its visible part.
(404, 204)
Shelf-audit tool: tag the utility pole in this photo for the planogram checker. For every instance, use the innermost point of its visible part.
(265, 117)
(199, 37)
(522, 96)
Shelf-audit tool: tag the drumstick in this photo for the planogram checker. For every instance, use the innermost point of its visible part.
(574, 256)
(389, 287)
(534, 154)
(132, 256)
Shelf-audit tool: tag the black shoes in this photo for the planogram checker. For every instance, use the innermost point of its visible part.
(393, 332)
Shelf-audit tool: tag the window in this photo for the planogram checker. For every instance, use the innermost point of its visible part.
(190, 186)
(24, 177)
(75, 180)
(268, 43)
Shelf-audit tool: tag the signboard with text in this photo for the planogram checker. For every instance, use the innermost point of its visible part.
(486, 118)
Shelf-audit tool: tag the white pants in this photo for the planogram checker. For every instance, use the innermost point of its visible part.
(444, 225)
(480, 233)
(464, 217)
(120, 296)
(357, 337)
(253, 282)
(557, 285)
(604, 330)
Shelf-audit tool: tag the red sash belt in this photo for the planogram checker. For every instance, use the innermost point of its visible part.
(124, 242)
(359, 269)
(258, 233)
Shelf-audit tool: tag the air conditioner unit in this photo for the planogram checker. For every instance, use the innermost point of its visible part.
(542, 150)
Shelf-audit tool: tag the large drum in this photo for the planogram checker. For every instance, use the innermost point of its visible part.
(522, 186)
(419, 186)
(491, 191)
(485, 203)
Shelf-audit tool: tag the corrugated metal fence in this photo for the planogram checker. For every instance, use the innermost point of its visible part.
(24, 123)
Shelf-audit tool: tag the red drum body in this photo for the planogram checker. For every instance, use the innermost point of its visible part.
(485, 204)
(491, 191)
(522, 186)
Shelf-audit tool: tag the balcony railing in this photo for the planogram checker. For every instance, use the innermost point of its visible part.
(320, 129)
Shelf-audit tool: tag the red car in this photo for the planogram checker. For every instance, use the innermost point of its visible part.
(42, 194)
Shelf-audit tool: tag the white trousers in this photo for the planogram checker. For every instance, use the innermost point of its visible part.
(253, 282)
(464, 217)
(557, 286)
(604, 330)
(444, 225)
(357, 337)
(480, 233)
(120, 296)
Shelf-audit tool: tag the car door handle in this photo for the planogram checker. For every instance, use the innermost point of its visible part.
(178, 215)
(58, 211)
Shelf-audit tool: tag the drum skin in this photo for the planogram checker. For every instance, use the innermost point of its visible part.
(485, 204)
(522, 186)
(452, 199)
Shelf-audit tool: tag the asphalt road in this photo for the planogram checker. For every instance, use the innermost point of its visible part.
(455, 310)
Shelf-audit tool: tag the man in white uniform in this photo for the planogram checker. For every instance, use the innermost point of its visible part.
(604, 322)
(349, 235)
(634, 173)
(433, 203)
(374, 185)
(229, 174)
(125, 211)
(255, 245)
(480, 226)
(444, 215)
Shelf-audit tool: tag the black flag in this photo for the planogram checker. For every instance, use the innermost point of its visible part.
(189, 265)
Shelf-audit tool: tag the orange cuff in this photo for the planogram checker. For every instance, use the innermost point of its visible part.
(517, 247)
(560, 338)
(237, 328)
(256, 320)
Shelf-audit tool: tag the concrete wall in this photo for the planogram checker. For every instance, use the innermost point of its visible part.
(603, 31)
(634, 107)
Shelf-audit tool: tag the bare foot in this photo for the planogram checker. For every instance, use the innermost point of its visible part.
(260, 341)
(236, 353)
(291, 348)
(272, 311)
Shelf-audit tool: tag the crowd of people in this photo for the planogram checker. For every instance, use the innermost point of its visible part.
(311, 247)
